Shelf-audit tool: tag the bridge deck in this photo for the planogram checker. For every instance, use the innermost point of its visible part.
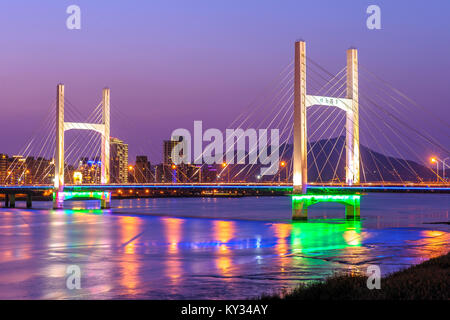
(25, 189)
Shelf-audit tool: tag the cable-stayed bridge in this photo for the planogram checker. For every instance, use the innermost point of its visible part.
(344, 131)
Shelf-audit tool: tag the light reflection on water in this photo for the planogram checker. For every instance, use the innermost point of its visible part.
(129, 267)
(173, 232)
(224, 232)
(160, 255)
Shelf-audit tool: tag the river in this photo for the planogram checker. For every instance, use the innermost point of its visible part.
(209, 248)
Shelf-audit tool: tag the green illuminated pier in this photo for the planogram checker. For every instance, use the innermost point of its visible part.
(60, 196)
(301, 203)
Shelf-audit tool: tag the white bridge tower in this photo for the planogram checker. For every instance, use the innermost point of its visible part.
(62, 126)
(302, 101)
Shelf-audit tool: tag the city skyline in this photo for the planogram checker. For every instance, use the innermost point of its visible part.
(214, 67)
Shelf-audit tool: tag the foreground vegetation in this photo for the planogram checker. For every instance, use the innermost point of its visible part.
(429, 280)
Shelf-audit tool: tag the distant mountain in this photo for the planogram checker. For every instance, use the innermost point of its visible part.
(377, 166)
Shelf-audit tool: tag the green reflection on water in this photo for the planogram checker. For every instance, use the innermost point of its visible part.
(316, 237)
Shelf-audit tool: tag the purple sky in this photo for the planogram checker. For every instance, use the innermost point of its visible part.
(169, 63)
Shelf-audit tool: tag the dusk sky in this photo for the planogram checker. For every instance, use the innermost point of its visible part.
(169, 63)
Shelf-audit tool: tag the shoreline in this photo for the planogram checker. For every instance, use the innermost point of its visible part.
(429, 280)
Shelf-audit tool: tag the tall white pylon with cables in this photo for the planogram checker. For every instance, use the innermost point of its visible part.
(349, 104)
(62, 126)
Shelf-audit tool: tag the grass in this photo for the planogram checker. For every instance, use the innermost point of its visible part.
(429, 280)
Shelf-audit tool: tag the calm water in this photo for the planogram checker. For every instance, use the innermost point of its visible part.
(196, 248)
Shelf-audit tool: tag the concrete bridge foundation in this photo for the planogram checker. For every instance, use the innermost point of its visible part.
(60, 196)
(301, 203)
(12, 200)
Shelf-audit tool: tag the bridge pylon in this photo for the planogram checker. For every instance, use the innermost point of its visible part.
(302, 101)
(62, 126)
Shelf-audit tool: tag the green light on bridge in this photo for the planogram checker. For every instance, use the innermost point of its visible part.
(326, 197)
(300, 204)
(82, 195)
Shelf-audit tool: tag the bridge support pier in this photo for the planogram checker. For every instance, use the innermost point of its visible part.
(299, 209)
(29, 201)
(352, 211)
(60, 196)
(12, 200)
(58, 200)
(300, 204)
(105, 202)
(6, 200)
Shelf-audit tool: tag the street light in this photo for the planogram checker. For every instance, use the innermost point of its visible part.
(282, 165)
(131, 169)
(174, 173)
(435, 160)
(225, 165)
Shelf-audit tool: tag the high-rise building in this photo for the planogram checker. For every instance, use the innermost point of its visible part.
(16, 172)
(118, 161)
(3, 168)
(167, 149)
(43, 171)
(25, 170)
(142, 170)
